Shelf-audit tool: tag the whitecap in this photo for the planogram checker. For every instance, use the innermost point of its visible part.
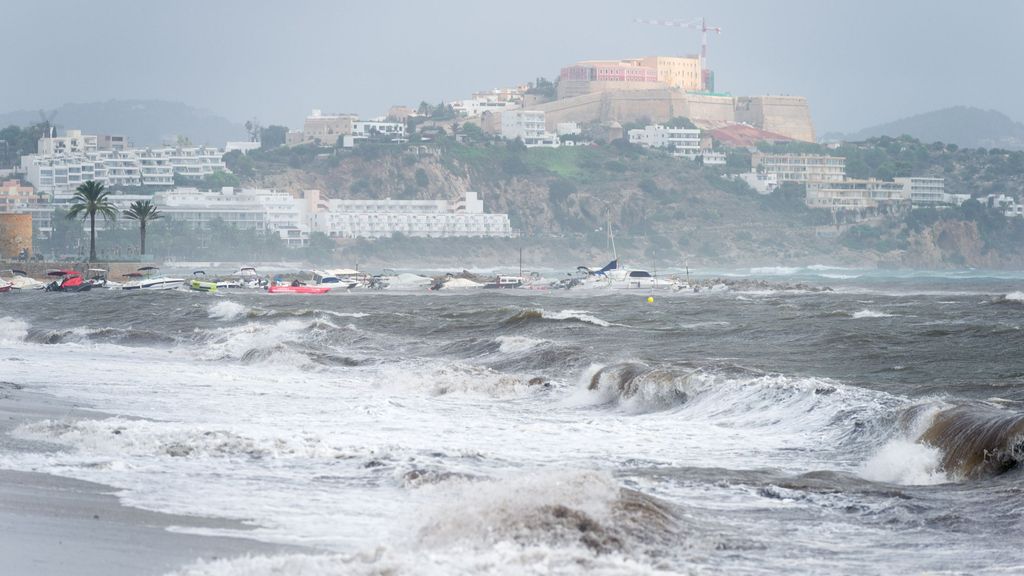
(13, 329)
(774, 271)
(581, 315)
(227, 310)
(865, 313)
(517, 344)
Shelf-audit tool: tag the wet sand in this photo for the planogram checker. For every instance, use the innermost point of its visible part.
(53, 525)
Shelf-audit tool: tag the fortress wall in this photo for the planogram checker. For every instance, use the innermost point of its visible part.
(717, 110)
(786, 115)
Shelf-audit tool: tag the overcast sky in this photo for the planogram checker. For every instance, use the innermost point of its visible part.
(859, 62)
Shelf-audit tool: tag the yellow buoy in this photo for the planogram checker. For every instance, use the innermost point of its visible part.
(650, 299)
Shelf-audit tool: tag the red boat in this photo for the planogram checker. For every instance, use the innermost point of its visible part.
(298, 289)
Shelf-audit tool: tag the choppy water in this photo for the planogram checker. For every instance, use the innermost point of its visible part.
(871, 430)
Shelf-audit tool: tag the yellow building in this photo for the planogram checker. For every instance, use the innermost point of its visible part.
(678, 72)
(15, 234)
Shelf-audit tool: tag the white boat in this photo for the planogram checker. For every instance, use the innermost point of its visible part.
(145, 279)
(503, 281)
(98, 277)
(248, 278)
(341, 278)
(19, 280)
(391, 280)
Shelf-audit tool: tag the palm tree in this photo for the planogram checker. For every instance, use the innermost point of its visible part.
(91, 197)
(142, 211)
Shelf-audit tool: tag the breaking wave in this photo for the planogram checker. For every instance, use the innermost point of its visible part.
(976, 440)
(869, 314)
(227, 311)
(13, 330)
(517, 344)
(567, 315)
(1016, 298)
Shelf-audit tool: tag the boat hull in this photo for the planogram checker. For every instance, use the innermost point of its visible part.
(298, 289)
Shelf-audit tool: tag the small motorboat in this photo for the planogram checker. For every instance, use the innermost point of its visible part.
(199, 282)
(144, 279)
(68, 281)
(98, 277)
(5, 286)
(300, 289)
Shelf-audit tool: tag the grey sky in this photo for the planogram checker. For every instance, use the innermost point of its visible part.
(859, 62)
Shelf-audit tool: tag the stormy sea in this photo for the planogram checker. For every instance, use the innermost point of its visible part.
(876, 428)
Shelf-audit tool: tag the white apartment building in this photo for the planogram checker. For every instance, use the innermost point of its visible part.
(685, 141)
(529, 126)
(416, 218)
(59, 174)
(362, 129)
(925, 191)
(761, 182)
(477, 106)
(247, 209)
(856, 195)
(712, 158)
(800, 168)
(72, 142)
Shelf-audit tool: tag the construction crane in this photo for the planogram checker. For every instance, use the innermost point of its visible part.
(696, 24)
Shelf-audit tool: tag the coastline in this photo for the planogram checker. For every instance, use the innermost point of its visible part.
(57, 525)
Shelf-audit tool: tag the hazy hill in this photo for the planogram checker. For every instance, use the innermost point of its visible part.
(145, 122)
(961, 125)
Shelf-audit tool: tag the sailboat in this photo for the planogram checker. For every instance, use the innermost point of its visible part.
(613, 275)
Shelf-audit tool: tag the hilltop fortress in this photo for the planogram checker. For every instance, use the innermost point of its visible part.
(659, 88)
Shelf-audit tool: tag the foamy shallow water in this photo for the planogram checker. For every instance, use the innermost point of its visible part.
(490, 433)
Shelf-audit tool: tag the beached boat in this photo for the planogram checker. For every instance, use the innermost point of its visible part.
(19, 280)
(501, 281)
(302, 289)
(344, 278)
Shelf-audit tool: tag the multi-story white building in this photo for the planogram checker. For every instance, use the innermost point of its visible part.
(712, 158)
(925, 191)
(58, 174)
(474, 107)
(362, 129)
(857, 195)
(247, 209)
(528, 126)
(761, 182)
(417, 218)
(684, 141)
(800, 168)
(72, 142)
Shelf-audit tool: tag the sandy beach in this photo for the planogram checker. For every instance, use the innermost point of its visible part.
(54, 525)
